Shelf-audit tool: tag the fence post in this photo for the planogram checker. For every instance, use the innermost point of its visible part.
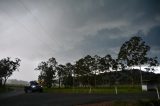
(157, 92)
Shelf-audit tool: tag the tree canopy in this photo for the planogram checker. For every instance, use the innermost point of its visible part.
(134, 53)
(47, 71)
(7, 67)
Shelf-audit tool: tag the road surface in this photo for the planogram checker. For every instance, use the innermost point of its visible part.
(55, 99)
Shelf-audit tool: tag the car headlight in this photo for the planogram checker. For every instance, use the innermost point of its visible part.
(33, 86)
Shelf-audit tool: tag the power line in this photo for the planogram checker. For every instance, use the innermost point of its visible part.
(37, 20)
(19, 24)
(23, 25)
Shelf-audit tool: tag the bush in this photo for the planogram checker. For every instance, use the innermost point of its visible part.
(5, 89)
(149, 103)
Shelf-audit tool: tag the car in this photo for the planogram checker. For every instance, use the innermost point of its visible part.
(33, 87)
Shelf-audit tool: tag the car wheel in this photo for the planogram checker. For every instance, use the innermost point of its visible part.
(26, 91)
(41, 90)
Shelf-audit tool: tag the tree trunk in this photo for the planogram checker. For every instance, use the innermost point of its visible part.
(116, 84)
(141, 79)
(88, 81)
(5, 80)
(95, 81)
(0, 81)
(59, 82)
(132, 77)
(116, 90)
(109, 78)
(73, 80)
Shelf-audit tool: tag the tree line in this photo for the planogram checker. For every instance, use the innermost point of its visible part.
(89, 70)
(96, 70)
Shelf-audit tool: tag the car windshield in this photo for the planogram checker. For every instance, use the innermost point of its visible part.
(33, 83)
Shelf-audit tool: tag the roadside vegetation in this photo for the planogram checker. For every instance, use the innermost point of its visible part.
(4, 89)
(10, 87)
(7, 67)
(97, 90)
(126, 103)
(94, 74)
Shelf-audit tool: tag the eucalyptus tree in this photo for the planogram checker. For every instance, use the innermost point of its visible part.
(69, 69)
(47, 72)
(7, 67)
(105, 66)
(152, 63)
(84, 69)
(96, 67)
(69, 74)
(115, 66)
(78, 69)
(134, 53)
(61, 73)
(89, 64)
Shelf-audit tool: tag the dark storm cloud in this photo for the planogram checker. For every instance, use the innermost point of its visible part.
(149, 11)
(137, 12)
(102, 42)
(153, 36)
(103, 37)
(70, 29)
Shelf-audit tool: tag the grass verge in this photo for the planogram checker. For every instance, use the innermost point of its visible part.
(99, 90)
(154, 102)
(4, 89)
(126, 103)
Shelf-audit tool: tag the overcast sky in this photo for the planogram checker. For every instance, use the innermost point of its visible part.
(35, 30)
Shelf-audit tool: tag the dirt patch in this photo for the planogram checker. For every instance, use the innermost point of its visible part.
(99, 104)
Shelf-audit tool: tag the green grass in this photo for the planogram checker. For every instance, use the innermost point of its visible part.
(14, 86)
(129, 89)
(5, 89)
(67, 90)
(137, 103)
(97, 90)
(126, 103)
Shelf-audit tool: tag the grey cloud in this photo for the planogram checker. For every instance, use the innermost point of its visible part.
(70, 29)
(105, 41)
(81, 12)
(152, 38)
(146, 14)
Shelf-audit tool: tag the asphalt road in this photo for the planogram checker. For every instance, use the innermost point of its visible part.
(52, 99)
